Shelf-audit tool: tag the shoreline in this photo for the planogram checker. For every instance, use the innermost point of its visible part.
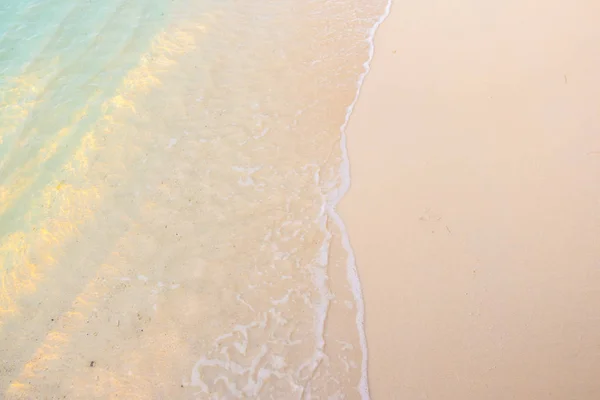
(192, 232)
(341, 192)
(472, 209)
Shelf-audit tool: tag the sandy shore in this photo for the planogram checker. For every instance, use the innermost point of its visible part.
(474, 210)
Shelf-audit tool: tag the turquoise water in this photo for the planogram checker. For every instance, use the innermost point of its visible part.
(169, 172)
(59, 62)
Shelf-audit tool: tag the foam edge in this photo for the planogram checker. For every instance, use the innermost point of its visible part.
(351, 270)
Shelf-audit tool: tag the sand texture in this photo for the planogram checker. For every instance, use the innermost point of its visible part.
(474, 210)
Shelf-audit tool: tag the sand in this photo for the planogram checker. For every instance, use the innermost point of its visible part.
(474, 205)
(167, 222)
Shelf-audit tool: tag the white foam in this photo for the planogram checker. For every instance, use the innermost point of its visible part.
(247, 180)
(319, 273)
(335, 198)
(282, 300)
(244, 302)
(172, 142)
(261, 134)
(238, 339)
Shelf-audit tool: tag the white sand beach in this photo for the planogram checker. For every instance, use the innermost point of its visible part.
(474, 209)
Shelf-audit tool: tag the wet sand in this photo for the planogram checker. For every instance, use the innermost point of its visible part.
(474, 205)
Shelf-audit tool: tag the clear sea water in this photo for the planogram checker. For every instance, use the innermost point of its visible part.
(169, 171)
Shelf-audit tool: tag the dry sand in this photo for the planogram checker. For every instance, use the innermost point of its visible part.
(474, 210)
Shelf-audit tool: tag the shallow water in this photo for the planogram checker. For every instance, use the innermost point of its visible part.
(168, 177)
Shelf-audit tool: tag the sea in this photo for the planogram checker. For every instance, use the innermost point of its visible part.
(169, 172)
